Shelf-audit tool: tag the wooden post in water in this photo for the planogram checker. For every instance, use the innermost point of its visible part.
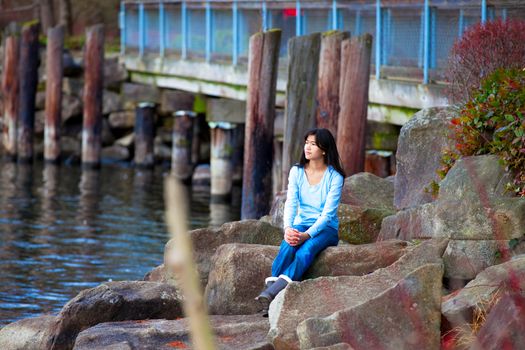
(54, 64)
(144, 134)
(328, 82)
(10, 90)
(221, 168)
(301, 91)
(181, 153)
(93, 76)
(260, 116)
(29, 62)
(355, 77)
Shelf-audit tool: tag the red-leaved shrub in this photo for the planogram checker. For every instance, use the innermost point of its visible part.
(481, 50)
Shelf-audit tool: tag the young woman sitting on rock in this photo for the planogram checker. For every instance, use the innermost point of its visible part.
(310, 212)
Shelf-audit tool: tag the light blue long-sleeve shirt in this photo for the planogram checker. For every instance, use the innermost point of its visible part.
(314, 206)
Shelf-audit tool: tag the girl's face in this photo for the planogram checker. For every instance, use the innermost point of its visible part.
(311, 150)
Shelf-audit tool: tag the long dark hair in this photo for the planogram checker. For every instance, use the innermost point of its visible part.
(326, 142)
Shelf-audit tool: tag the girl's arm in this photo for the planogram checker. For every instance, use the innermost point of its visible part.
(292, 198)
(330, 206)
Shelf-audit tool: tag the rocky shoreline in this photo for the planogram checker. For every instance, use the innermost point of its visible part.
(411, 271)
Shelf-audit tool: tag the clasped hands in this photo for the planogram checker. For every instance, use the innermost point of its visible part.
(294, 237)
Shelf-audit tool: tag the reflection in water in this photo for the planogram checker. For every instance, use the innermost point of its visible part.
(63, 230)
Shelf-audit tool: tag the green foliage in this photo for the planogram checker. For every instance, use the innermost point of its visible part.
(493, 122)
(75, 42)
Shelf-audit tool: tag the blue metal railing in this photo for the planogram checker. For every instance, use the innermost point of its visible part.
(406, 34)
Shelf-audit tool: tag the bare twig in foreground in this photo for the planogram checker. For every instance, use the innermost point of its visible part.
(181, 260)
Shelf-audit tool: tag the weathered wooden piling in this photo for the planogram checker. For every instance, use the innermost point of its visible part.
(181, 152)
(93, 77)
(221, 161)
(238, 153)
(144, 134)
(10, 91)
(353, 97)
(303, 52)
(28, 75)
(54, 64)
(259, 130)
(328, 81)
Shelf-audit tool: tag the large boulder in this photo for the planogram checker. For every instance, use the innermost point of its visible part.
(504, 327)
(502, 219)
(472, 205)
(356, 260)
(231, 289)
(475, 179)
(133, 94)
(207, 240)
(459, 306)
(360, 225)
(111, 102)
(27, 334)
(115, 153)
(122, 120)
(464, 259)
(421, 142)
(114, 301)
(114, 72)
(172, 101)
(232, 282)
(324, 296)
(405, 316)
(231, 332)
(369, 191)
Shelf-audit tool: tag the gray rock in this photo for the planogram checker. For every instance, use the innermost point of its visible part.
(122, 119)
(40, 100)
(126, 141)
(133, 93)
(161, 151)
(356, 260)
(368, 191)
(458, 307)
(40, 121)
(277, 210)
(500, 219)
(475, 179)
(323, 296)
(464, 259)
(339, 346)
(111, 102)
(231, 289)
(405, 316)
(28, 334)
(70, 146)
(115, 153)
(231, 333)
(421, 142)
(114, 72)
(360, 225)
(504, 327)
(237, 277)
(114, 301)
(207, 240)
(71, 107)
(172, 101)
(72, 86)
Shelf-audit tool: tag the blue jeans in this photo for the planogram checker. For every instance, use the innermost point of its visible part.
(294, 261)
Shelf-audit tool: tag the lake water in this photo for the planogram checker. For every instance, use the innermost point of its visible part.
(63, 230)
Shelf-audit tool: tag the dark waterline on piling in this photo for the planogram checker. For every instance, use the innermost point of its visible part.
(63, 230)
